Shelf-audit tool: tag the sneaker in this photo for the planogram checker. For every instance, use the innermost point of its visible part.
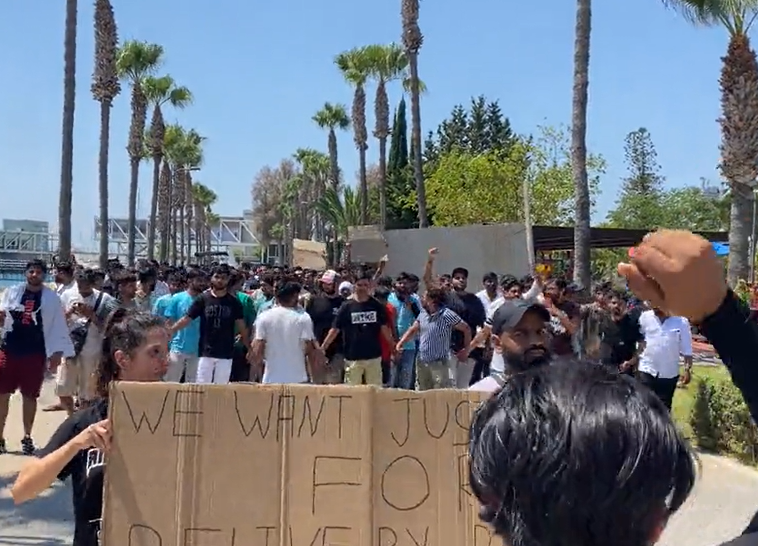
(27, 446)
(3, 449)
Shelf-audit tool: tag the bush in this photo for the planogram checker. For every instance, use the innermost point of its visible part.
(721, 422)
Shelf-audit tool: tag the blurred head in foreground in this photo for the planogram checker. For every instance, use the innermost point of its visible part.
(575, 455)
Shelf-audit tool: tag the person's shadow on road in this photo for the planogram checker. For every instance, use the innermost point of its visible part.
(53, 510)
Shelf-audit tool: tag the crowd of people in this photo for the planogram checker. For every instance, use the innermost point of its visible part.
(353, 326)
(603, 400)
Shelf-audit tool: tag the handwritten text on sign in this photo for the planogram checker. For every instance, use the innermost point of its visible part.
(295, 465)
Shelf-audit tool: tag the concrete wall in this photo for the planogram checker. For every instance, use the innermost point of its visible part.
(480, 249)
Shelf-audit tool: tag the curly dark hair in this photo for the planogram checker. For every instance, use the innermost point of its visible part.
(125, 330)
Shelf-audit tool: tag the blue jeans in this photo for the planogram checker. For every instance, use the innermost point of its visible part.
(402, 371)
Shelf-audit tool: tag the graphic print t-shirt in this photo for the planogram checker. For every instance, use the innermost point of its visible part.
(27, 337)
(217, 317)
(86, 470)
(360, 324)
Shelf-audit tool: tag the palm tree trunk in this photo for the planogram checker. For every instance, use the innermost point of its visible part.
(182, 235)
(131, 221)
(334, 168)
(383, 183)
(740, 226)
(105, 131)
(364, 186)
(582, 233)
(174, 237)
(418, 165)
(153, 209)
(67, 141)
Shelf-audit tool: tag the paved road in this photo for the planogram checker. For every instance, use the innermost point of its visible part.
(725, 498)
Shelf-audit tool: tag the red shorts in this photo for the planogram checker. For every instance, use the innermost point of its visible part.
(22, 373)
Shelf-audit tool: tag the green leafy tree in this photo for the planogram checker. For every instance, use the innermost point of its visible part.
(481, 128)
(640, 203)
(402, 213)
(473, 188)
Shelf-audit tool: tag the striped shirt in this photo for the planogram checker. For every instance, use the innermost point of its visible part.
(435, 332)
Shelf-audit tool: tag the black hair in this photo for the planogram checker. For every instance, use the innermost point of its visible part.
(403, 276)
(460, 271)
(147, 275)
(87, 275)
(125, 330)
(37, 263)
(509, 281)
(287, 291)
(221, 269)
(175, 278)
(575, 453)
(526, 280)
(361, 275)
(63, 267)
(123, 277)
(268, 279)
(195, 273)
(489, 277)
(382, 293)
(385, 282)
(412, 277)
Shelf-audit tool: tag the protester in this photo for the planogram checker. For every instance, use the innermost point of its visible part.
(184, 346)
(135, 348)
(360, 321)
(322, 309)
(284, 339)
(35, 337)
(407, 309)
(665, 338)
(86, 310)
(221, 315)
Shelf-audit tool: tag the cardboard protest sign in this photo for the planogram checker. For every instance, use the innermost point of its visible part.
(308, 254)
(234, 465)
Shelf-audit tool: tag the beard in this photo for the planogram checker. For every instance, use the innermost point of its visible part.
(532, 358)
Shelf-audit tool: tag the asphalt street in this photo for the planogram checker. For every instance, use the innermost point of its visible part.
(725, 498)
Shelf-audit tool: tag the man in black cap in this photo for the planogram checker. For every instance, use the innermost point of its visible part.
(521, 340)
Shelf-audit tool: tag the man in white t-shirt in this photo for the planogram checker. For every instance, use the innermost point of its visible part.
(665, 338)
(284, 339)
(85, 307)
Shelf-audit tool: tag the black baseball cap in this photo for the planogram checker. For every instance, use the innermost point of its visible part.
(510, 313)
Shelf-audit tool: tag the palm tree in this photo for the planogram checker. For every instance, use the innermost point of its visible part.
(105, 88)
(183, 150)
(332, 117)
(203, 199)
(341, 212)
(67, 140)
(136, 60)
(386, 63)
(582, 234)
(413, 40)
(160, 91)
(739, 116)
(315, 173)
(164, 210)
(355, 69)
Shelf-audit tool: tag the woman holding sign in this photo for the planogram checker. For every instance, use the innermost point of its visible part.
(135, 348)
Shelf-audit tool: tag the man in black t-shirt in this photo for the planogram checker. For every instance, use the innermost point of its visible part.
(219, 313)
(322, 308)
(626, 336)
(360, 321)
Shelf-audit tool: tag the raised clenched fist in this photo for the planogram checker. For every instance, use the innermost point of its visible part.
(677, 271)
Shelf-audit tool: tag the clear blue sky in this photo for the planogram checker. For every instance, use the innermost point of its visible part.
(259, 70)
